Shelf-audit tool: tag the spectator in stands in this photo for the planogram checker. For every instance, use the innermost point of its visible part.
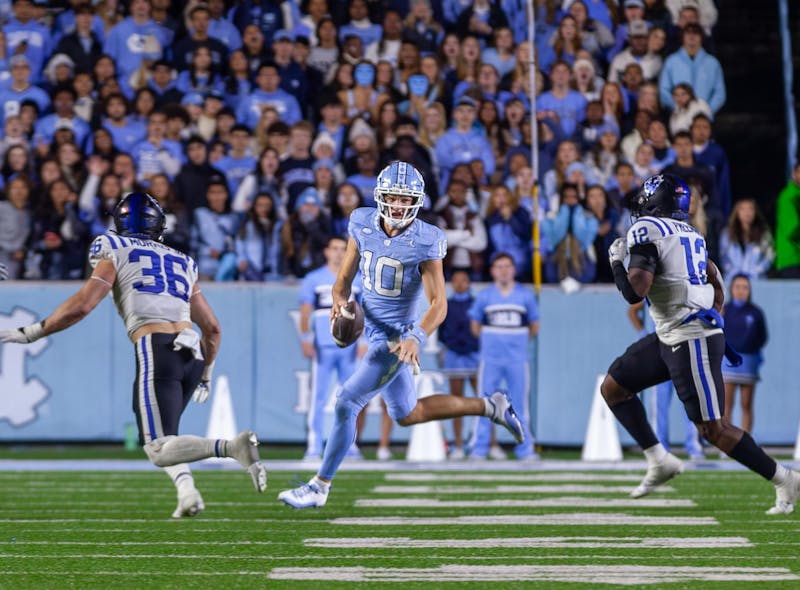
(222, 28)
(135, 39)
(266, 16)
(461, 357)
(694, 173)
(645, 164)
(596, 38)
(191, 183)
(462, 142)
(178, 225)
(787, 228)
(604, 156)
(421, 29)
(360, 25)
(746, 332)
(15, 225)
(16, 163)
(365, 176)
(125, 168)
(295, 172)
(268, 93)
(467, 65)
(63, 118)
(293, 79)
(238, 163)
(201, 75)
(20, 89)
(387, 46)
(313, 12)
(348, 199)
(465, 232)
(258, 244)
(686, 107)
(305, 235)
(213, 233)
(59, 236)
(99, 195)
(570, 235)
(632, 11)
(567, 154)
(508, 226)
(746, 246)
(156, 154)
(26, 36)
(621, 186)
(658, 138)
(631, 85)
(264, 180)
(709, 153)
(13, 135)
(480, 20)
(185, 49)
(599, 205)
(325, 54)
(254, 49)
(567, 104)
(637, 52)
(125, 131)
(144, 103)
(585, 80)
(692, 64)
(563, 47)
(85, 44)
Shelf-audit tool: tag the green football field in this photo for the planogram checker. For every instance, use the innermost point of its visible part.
(396, 529)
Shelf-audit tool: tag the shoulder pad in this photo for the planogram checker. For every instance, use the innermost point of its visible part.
(103, 248)
(647, 229)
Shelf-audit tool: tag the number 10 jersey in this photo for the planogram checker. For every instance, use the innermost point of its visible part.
(680, 285)
(154, 282)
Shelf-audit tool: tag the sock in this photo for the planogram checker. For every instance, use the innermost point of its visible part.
(181, 476)
(749, 454)
(633, 418)
(655, 454)
(488, 407)
(323, 485)
(342, 436)
(184, 449)
(781, 473)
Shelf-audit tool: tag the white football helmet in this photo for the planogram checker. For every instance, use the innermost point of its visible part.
(399, 179)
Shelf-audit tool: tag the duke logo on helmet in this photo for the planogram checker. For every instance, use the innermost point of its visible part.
(399, 179)
(662, 195)
(138, 215)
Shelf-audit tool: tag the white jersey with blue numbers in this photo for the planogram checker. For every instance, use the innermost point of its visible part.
(390, 272)
(680, 286)
(317, 291)
(154, 282)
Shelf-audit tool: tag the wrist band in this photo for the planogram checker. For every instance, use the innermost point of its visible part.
(206, 376)
(34, 331)
(419, 335)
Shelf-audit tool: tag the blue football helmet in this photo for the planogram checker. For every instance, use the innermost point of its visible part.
(138, 215)
(399, 179)
(662, 195)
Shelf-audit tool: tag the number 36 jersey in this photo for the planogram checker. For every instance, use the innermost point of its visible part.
(154, 282)
(390, 273)
(680, 285)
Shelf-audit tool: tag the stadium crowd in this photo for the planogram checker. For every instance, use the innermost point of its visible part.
(260, 125)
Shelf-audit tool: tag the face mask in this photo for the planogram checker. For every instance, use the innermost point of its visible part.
(364, 75)
(418, 84)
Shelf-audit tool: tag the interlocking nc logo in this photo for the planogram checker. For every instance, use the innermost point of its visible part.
(19, 396)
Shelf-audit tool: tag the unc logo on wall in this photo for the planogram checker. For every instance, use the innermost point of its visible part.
(20, 394)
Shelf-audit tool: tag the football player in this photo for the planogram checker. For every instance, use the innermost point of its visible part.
(669, 265)
(319, 346)
(155, 290)
(398, 256)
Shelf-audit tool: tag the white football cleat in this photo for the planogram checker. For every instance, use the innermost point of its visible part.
(503, 414)
(497, 453)
(657, 474)
(189, 504)
(786, 494)
(383, 454)
(456, 454)
(308, 495)
(244, 448)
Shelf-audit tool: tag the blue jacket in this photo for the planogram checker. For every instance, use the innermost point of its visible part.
(212, 231)
(704, 73)
(745, 327)
(262, 253)
(455, 147)
(753, 260)
(578, 220)
(454, 331)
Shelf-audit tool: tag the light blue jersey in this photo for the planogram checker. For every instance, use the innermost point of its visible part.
(316, 290)
(505, 323)
(390, 271)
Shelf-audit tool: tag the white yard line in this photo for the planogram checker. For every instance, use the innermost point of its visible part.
(606, 574)
(531, 542)
(563, 502)
(582, 519)
(496, 477)
(511, 489)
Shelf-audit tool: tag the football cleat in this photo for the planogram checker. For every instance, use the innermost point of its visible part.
(244, 448)
(456, 454)
(786, 494)
(308, 495)
(497, 453)
(503, 414)
(189, 504)
(383, 454)
(657, 474)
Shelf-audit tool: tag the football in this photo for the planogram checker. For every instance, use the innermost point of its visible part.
(348, 327)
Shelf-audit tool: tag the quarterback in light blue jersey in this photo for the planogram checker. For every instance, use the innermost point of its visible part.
(505, 316)
(398, 255)
(316, 300)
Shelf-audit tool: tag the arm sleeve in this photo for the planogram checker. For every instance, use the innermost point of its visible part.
(644, 256)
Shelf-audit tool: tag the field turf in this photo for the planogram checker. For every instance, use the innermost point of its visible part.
(397, 529)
